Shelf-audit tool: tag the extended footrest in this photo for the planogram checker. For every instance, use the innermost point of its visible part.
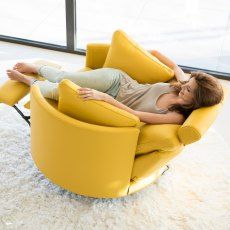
(11, 92)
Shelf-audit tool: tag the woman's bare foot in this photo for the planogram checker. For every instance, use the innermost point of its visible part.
(17, 76)
(24, 67)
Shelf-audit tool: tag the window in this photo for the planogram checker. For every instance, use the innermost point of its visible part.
(38, 20)
(194, 33)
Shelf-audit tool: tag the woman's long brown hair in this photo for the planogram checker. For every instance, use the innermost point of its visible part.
(208, 92)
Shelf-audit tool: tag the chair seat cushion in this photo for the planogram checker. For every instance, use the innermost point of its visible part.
(158, 137)
(125, 54)
(92, 111)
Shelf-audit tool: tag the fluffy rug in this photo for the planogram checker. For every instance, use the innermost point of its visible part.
(193, 194)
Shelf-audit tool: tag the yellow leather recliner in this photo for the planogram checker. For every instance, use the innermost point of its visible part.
(102, 161)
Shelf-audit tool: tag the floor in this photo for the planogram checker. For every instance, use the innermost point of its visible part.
(12, 53)
(194, 33)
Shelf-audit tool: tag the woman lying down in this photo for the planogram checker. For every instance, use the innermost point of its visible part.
(156, 103)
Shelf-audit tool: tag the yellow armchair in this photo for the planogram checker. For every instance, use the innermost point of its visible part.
(103, 161)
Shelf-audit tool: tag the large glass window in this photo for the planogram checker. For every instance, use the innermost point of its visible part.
(194, 33)
(38, 20)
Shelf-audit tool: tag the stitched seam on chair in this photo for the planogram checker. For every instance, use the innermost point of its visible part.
(136, 46)
(139, 147)
(105, 107)
(139, 154)
(163, 148)
(153, 141)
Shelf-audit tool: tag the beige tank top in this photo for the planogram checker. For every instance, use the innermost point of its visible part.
(141, 97)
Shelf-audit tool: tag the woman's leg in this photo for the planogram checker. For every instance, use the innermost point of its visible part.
(106, 80)
(48, 89)
(100, 79)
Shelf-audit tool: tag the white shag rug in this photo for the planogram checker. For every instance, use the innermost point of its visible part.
(193, 194)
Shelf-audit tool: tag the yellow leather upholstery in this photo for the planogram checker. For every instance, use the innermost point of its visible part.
(127, 55)
(102, 161)
(91, 111)
(12, 91)
(197, 123)
(147, 164)
(96, 55)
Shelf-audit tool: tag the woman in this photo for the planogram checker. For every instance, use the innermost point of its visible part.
(158, 103)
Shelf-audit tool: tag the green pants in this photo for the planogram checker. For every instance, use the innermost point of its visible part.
(105, 80)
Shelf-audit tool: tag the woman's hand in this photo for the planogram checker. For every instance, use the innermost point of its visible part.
(88, 93)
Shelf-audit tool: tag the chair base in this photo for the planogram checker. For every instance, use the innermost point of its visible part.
(138, 185)
(166, 169)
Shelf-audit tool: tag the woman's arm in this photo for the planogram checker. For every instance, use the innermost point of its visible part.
(179, 73)
(150, 118)
(155, 118)
(118, 104)
(89, 93)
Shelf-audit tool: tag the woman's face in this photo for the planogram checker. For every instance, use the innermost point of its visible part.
(187, 91)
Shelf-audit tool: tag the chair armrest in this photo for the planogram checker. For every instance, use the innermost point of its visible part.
(199, 121)
(96, 54)
(197, 124)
